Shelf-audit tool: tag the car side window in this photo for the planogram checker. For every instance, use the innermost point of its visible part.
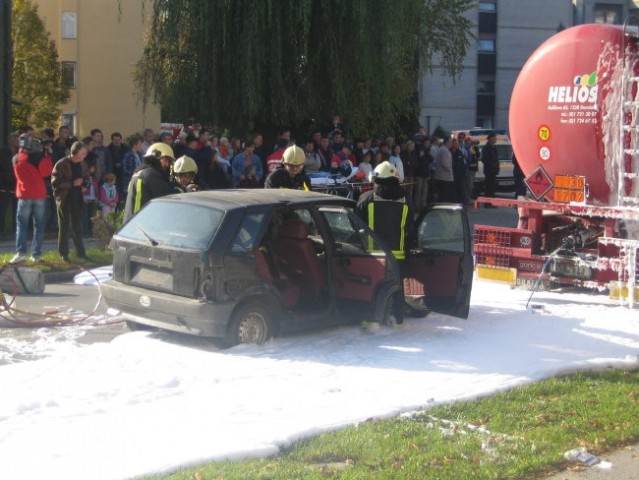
(246, 236)
(348, 235)
(441, 230)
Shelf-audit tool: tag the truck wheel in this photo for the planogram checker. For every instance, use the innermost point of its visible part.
(252, 324)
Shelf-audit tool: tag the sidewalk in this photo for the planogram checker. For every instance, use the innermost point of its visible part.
(50, 244)
(621, 464)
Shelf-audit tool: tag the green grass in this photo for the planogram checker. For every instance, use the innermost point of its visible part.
(51, 261)
(525, 432)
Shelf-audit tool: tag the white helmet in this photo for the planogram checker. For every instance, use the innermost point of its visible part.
(385, 170)
(159, 150)
(185, 164)
(294, 155)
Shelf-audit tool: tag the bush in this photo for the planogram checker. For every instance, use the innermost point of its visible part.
(104, 228)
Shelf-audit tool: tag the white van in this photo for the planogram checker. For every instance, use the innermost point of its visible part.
(505, 179)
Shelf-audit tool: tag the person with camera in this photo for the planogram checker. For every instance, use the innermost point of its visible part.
(31, 166)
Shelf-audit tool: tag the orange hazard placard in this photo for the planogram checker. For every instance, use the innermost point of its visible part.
(570, 188)
(538, 182)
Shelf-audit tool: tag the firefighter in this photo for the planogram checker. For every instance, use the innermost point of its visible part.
(151, 179)
(291, 174)
(184, 173)
(389, 213)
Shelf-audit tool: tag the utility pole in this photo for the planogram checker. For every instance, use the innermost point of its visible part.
(6, 67)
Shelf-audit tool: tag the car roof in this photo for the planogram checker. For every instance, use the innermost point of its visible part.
(230, 199)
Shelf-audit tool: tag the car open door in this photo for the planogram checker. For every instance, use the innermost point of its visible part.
(364, 272)
(439, 266)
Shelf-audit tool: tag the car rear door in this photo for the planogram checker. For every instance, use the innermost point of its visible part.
(439, 267)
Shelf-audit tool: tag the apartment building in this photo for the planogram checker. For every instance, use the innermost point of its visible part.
(99, 43)
(506, 33)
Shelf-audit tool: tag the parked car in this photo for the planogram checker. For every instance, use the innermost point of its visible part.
(245, 265)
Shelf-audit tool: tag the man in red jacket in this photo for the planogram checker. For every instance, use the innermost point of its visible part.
(31, 166)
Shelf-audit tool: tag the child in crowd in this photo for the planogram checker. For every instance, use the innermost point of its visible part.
(108, 195)
(366, 167)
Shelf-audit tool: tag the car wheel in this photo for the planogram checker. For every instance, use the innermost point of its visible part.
(417, 312)
(252, 324)
(394, 307)
(415, 307)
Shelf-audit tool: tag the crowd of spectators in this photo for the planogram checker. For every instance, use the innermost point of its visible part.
(431, 169)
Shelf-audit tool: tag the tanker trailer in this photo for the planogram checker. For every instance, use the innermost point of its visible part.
(574, 126)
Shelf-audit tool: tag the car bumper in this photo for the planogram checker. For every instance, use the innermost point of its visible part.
(167, 311)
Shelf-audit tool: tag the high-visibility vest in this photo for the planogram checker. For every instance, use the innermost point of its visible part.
(399, 254)
(137, 205)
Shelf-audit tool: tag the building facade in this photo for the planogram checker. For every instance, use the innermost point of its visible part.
(99, 44)
(506, 33)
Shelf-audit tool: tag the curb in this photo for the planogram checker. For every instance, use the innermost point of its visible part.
(60, 277)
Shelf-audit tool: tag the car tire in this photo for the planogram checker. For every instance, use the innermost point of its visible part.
(417, 312)
(251, 324)
(394, 307)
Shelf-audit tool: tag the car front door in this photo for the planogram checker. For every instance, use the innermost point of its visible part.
(439, 267)
(363, 272)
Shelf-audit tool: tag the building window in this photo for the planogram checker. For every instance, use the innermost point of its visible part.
(68, 74)
(487, 7)
(486, 64)
(68, 120)
(69, 25)
(485, 86)
(485, 106)
(608, 13)
(486, 45)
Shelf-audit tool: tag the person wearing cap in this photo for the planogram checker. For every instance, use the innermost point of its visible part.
(151, 180)
(389, 212)
(31, 166)
(291, 174)
(68, 179)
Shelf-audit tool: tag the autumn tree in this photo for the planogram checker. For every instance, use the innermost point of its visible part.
(37, 78)
(246, 64)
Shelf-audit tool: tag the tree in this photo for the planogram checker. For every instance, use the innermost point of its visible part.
(37, 76)
(247, 65)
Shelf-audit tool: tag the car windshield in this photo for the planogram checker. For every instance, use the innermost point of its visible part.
(173, 224)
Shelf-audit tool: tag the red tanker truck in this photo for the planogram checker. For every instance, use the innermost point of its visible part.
(574, 127)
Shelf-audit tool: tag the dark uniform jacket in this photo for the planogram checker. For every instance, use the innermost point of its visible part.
(391, 220)
(490, 159)
(280, 178)
(146, 184)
